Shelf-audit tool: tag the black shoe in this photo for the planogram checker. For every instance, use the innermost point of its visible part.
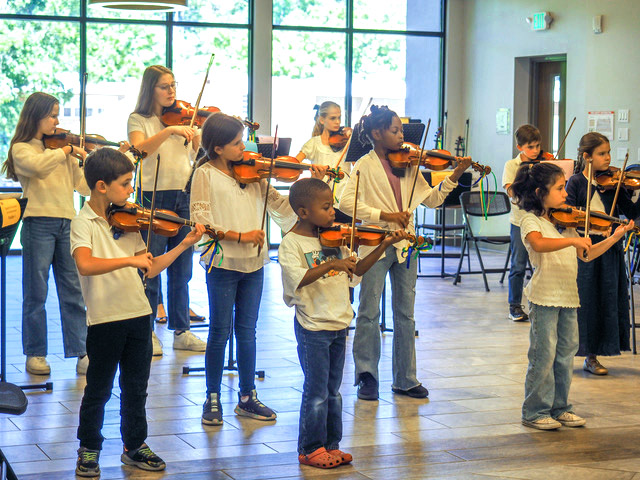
(367, 387)
(516, 313)
(87, 465)
(212, 410)
(254, 408)
(143, 458)
(415, 392)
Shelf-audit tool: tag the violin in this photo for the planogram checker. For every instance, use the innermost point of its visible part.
(61, 138)
(573, 217)
(254, 167)
(131, 217)
(181, 113)
(411, 154)
(253, 126)
(608, 179)
(338, 140)
(339, 235)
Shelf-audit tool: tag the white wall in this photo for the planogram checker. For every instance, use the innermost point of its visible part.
(485, 37)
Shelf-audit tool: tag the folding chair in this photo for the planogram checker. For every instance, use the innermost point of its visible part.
(473, 205)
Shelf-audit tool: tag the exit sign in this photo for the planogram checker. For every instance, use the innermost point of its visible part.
(541, 20)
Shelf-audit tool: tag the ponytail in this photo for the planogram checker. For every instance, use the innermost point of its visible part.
(532, 185)
(321, 112)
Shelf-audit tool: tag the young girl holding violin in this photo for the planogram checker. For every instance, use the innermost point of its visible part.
(326, 145)
(384, 201)
(149, 134)
(553, 295)
(235, 271)
(48, 178)
(603, 316)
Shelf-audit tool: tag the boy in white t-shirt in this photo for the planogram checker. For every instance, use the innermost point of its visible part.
(316, 281)
(119, 326)
(528, 142)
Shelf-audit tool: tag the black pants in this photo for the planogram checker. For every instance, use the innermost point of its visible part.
(125, 344)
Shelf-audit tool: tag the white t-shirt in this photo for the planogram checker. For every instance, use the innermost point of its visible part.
(323, 304)
(175, 158)
(320, 154)
(48, 178)
(113, 296)
(555, 276)
(217, 200)
(508, 176)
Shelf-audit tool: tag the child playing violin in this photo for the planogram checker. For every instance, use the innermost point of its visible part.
(316, 282)
(319, 149)
(235, 271)
(148, 133)
(553, 295)
(528, 143)
(384, 201)
(48, 178)
(119, 333)
(603, 316)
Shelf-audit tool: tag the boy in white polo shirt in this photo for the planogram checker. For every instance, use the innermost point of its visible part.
(119, 326)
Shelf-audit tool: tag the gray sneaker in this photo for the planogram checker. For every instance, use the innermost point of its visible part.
(254, 408)
(212, 410)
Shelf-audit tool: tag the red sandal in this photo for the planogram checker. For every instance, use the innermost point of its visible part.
(320, 458)
(346, 457)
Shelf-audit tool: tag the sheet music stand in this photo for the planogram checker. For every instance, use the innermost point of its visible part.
(16, 395)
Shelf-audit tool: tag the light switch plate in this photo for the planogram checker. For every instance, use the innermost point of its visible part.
(623, 134)
(623, 115)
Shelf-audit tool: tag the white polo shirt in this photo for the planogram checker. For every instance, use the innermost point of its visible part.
(113, 296)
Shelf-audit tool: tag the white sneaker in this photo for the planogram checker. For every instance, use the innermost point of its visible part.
(157, 345)
(544, 423)
(37, 365)
(82, 365)
(569, 419)
(188, 341)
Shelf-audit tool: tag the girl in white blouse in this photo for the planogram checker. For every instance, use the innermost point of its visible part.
(235, 271)
(553, 295)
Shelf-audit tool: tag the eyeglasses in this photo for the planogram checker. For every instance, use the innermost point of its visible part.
(168, 86)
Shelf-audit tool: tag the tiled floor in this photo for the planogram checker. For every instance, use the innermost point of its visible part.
(471, 358)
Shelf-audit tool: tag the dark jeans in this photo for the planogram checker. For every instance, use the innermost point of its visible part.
(45, 243)
(321, 357)
(179, 272)
(125, 344)
(230, 290)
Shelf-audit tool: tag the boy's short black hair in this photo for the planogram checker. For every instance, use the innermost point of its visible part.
(305, 191)
(106, 164)
(527, 134)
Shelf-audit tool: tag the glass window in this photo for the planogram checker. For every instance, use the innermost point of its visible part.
(113, 82)
(228, 83)
(97, 11)
(311, 13)
(215, 11)
(378, 15)
(36, 56)
(308, 68)
(48, 7)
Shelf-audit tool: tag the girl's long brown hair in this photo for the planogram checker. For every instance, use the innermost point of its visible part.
(588, 143)
(38, 106)
(149, 80)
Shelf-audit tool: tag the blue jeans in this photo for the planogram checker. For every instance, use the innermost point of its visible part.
(230, 290)
(519, 257)
(45, 243)
(553, 344)
(366, 343)
(321, 357)
(179, 272)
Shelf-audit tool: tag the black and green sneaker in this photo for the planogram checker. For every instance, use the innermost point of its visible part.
(254, 408)
(212, 410)
(87, 465)
(143, 458)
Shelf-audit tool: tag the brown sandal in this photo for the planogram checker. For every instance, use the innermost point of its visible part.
(320, 458)
(346, 457)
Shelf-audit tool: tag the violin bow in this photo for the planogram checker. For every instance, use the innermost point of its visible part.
(466, 138)
(564, 139)
(266, 195)
(204, 84)
(352, 248)
(151, 213)
(415, 177)
(587, 218)
(83, 112)
(622, 172)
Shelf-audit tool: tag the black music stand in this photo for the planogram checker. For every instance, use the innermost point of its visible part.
(6, 237)
(282, 148)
